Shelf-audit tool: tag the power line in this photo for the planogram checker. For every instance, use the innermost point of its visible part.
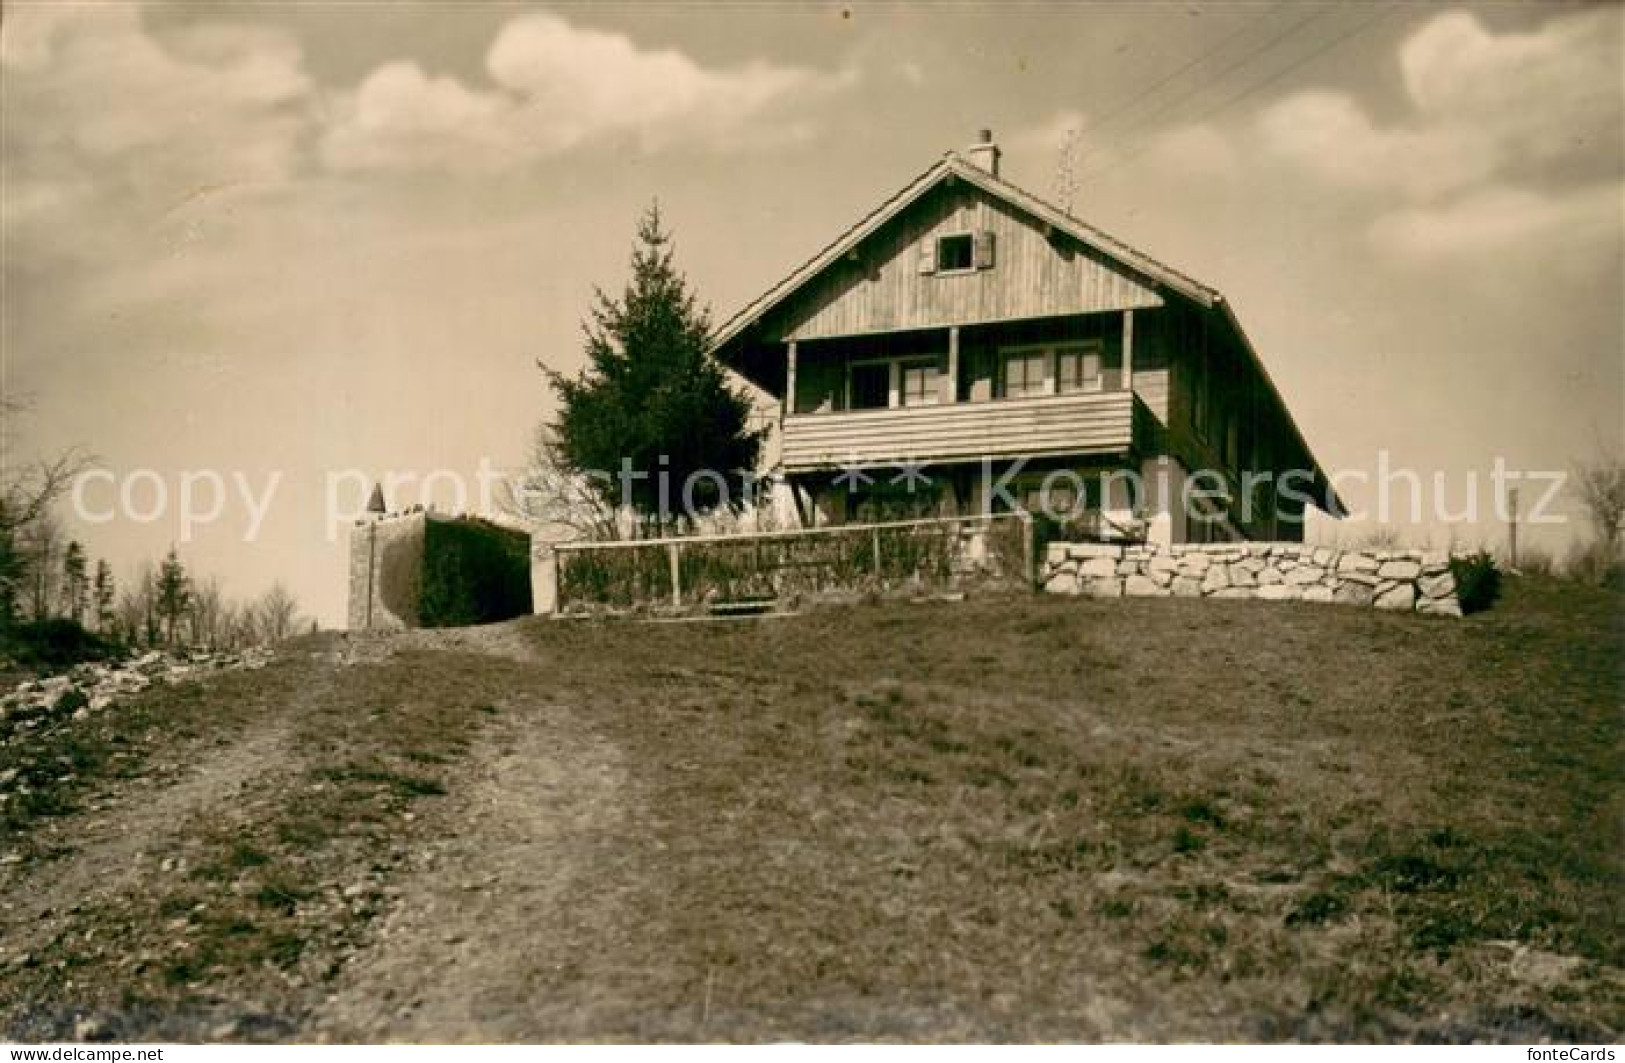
(1253, 89)
(1127, 103)
(1248, 57)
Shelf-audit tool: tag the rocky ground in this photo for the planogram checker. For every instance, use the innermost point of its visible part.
(44, 702)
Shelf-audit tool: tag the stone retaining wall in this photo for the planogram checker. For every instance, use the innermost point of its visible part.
(1403, 580)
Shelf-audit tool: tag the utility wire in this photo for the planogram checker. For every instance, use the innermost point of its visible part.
(1124, 104)
(1255, 88)
(1248, 57)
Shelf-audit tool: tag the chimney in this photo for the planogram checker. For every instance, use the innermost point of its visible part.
(984, 153)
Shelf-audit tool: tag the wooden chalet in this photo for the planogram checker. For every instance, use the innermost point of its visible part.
(971, 332)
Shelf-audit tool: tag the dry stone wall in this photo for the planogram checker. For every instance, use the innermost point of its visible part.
(1401, 580)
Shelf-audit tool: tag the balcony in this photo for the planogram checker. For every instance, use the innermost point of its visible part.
(1086, 423)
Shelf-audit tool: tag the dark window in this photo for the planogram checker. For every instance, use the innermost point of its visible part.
(871, 386)
(955, 252)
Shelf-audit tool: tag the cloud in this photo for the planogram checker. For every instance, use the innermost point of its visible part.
(1330, 136)
(1483, 108)
(87, 87)
(401, 118)
(557, 86)
(1489, 219)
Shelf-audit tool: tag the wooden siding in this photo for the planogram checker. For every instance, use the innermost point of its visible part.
(1091, 423)
(881, 288)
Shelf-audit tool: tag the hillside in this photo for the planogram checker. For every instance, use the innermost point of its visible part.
(999, 819)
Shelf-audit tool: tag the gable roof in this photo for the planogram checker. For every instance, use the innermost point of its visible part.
(954, 165)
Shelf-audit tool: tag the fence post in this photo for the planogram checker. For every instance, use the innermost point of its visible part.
(558, 585)
(673, 558)
(1029, 547)
(875, 533)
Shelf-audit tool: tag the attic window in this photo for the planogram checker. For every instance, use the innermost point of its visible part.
(955, 252)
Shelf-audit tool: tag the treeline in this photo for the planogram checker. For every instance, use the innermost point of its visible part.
(52, 582)
(59, 604)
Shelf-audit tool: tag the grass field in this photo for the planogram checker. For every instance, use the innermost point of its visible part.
(1008, 818)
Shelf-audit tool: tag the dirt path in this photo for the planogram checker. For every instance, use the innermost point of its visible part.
(471, 951)
(109, 850)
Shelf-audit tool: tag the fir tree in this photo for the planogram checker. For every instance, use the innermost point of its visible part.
(102, 596)
(650, 413)
(75, 582)
(173, 593)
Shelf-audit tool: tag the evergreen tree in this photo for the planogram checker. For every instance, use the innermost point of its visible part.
(650, 413)
(75, 582)
(102, 596)
(172, 593)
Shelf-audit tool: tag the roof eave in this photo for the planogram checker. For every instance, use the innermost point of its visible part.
(1329, 500)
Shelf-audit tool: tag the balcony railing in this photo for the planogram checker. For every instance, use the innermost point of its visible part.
(1085, 423)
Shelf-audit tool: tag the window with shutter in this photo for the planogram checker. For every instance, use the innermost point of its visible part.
(955, 253)
(928, 256)
(984, 250)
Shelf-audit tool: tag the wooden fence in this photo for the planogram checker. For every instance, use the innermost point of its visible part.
(723, 571)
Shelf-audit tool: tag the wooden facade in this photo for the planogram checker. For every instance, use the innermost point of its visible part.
(967, 322)
(881, 288)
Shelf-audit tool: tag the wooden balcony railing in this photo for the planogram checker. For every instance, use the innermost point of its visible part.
(1086, 423)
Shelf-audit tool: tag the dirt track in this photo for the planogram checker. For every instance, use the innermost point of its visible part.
(474, 940)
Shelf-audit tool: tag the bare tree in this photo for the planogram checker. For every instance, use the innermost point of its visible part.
(276, 614)
(130, 612)
(27, 493)
(549, 492)
(40, 547)
(1601, 487)
(205, 616)
(136, 614)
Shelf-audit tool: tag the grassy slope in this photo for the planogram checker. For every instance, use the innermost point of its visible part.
(1128, 818)
(998, 819)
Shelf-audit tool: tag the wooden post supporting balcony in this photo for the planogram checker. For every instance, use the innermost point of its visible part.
(788, 406)
(953, 363)
(1128, 349)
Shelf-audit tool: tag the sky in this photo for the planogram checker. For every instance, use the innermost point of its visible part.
(299, 247)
